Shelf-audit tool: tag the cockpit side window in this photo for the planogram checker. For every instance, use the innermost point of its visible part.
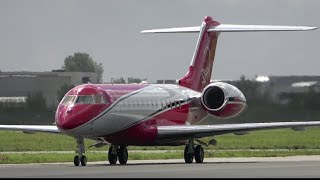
(99, 99)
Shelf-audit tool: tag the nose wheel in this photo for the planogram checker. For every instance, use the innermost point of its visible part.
(80, 158)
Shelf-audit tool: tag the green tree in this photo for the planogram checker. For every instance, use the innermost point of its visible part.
(99, 71)
(118, 80)
(63, 90)
(82, 62)
(134, 80)
(248, 88)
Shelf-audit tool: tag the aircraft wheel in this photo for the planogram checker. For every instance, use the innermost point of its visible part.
(199, 154)
(123, 155)
(112, 157)
(188, 157)
(76, 160)
(83, 160)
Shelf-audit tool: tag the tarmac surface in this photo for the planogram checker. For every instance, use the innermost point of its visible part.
(282, 167)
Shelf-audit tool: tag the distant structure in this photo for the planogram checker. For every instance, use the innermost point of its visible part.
(283, 87)
(15, 86)
(167, 81)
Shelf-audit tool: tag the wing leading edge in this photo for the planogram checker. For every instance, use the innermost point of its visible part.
(31, 128)
(199, 131)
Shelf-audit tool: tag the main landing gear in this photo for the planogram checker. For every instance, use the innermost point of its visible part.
(80, 158)
(190, 151)
(118, 153)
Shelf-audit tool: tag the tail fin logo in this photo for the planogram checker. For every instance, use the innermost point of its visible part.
(204, 74)
(205, 71)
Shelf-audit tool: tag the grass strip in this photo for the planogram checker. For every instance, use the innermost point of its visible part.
(265, 139)
(97, 156)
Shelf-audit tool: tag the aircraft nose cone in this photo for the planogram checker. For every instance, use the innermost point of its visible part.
(62, 119)
(74, 116)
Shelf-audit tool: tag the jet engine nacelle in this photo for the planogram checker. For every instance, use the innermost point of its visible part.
(223, 100)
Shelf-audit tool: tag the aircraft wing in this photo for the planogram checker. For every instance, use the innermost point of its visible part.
(30, 128)
(199, 131)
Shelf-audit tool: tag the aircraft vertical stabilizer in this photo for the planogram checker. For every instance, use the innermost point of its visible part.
(199, 74)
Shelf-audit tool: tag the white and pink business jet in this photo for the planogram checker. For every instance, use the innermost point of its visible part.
(159, 114)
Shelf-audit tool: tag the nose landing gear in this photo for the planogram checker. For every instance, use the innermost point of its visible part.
(80, 158)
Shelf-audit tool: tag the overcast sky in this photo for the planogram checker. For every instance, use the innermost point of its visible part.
(37, 35)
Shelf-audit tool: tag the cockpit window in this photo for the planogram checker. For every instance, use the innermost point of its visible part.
(84, 99)
(91, 99)
(68, 100)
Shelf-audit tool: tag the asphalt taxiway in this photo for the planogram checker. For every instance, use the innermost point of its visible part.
(282, 167)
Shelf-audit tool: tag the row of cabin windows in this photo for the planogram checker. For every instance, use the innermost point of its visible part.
(99, 99)
(156, 103)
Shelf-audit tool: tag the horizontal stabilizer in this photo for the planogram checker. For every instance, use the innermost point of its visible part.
(231, 28)
(248, 28)
(174, 30)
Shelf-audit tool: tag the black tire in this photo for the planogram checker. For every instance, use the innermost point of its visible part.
(188, 157)
(112, 158)
(123, 155)
(199, 154)
(83, 160)
(76, 160)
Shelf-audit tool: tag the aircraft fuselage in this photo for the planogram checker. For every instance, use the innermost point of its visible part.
(129, 114)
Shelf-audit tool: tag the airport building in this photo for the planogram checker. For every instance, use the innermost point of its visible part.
(282, 87)
(16, 86)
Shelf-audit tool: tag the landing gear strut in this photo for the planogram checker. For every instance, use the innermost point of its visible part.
(118, 153)
(80, 158)
(190, 151)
